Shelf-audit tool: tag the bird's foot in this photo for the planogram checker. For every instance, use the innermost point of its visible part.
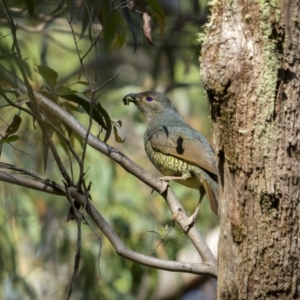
(165, 182)
(168, 178)
(165, 179)
(176, 215)
(191, 221)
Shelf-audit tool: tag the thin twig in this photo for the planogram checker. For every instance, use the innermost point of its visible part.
(50, 124)
(106, 82)
(162, 239)
(77, 257)
(206, 267)
(80, 181)
(92, 102)
(98, 237)
(99, 35)
(33, 103)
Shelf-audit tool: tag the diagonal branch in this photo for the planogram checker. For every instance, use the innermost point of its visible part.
(206, 268)
(129, 166)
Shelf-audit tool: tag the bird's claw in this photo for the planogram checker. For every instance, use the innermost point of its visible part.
(165, 183)
(176, 215)
(191, 221)
(165, 179)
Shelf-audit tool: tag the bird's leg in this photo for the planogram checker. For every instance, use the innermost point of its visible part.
(165, 179)
(193, 217)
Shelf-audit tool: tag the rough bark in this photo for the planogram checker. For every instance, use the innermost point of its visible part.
(250, 68)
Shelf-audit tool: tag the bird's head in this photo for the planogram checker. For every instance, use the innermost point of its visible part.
(151, 104)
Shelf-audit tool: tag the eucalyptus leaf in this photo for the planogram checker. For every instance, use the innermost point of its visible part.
(86, 105)
(48, 74)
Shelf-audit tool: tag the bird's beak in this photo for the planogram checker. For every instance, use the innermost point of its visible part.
(130, 98)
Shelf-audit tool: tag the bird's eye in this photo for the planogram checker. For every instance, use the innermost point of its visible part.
(149, 99)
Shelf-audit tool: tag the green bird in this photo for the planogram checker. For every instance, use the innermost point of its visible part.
(176, 149)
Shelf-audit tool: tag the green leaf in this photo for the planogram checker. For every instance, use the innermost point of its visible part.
(46, 145)
(57, 9)
(132, 25)
(30, 6)
(45, 154)
(114, 31)
(23, 64)
(53, 97)
(14, 126)
(99, 114)
(86, 18)
(83, 83)
(107, 119)
(158, 14)
(48, 74)
(12, 138)
(9, 139)
(86, 105)
(62, 5)
(62, 90)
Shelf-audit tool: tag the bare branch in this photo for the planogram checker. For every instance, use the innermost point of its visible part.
(137, 171)
(46, 187)
(78, 218)
(209, 260)
(205, 268)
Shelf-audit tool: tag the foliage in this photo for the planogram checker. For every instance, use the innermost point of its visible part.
(71, 52)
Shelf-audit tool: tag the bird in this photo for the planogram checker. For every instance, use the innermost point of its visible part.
(176, 149)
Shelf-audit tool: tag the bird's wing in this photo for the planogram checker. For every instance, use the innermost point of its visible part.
(192, 150)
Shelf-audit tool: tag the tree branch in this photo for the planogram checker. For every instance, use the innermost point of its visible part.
(130, 167)
(206, 268)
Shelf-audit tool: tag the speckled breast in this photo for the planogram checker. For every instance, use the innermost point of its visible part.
(171, 166)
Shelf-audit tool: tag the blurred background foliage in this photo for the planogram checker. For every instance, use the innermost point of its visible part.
(37, 245)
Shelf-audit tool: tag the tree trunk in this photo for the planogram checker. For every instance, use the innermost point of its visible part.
(250, 68)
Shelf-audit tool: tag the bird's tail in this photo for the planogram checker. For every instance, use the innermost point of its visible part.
(210, 185)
